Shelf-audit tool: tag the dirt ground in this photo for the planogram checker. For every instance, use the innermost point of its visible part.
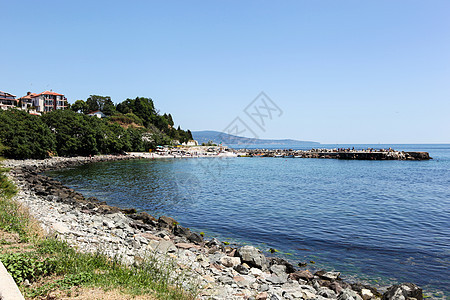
(93, 294)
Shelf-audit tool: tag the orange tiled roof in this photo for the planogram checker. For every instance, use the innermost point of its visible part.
(47, 93)
(7, 94)
(31, 95)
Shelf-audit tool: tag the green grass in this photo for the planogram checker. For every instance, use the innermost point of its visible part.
(55, 265)
(7, 188)
(13, 218)
(54, 257)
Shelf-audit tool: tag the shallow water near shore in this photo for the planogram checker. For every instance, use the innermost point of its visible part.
(377, 221)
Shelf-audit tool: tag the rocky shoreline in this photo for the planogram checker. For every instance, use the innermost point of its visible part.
(222, 272)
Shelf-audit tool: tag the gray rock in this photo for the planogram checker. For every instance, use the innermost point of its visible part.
(304, 274)
(294, 295)
(162, 234)
(335, 286)
(252, 256)
(280, 261)
(181, 231)
(403, 291)
(279, 270)
(226, 280)
(166, 247)
(255, 272)
(316, 284)
(366, 294)
(331, 275)
(213, 242)
(291, 287)
(328, 275)
(308, 288)
(61, 228)
(228, 261)
(195, 238)
(326, 292)
(215, 258)
(109, 224)
(348, 294)
(241, 269)
(275, 279)
(167, 222)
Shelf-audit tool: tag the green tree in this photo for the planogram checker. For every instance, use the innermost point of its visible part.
(92, 104)
(25, 136)
(108, 108)
(80, 106)
(170, 120)
(135, 140)
(141, 107)
(111, 137)
(189, 134)
(73, 132)
(102, 103)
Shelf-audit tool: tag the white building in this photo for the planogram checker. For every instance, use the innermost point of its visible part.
(48, 101)
(7, 100)
(98, 114)
(26, 102)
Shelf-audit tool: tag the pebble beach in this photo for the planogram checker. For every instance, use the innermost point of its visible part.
(219, 270)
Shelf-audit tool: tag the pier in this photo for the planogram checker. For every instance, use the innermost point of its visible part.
(348, 154)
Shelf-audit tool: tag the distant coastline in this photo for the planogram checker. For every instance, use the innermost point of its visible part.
(218, 137)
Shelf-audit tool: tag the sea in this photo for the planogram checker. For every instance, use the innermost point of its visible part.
(376, 222)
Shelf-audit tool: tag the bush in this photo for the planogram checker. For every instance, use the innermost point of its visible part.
(128, 118)
(23, 266)
(25, 136)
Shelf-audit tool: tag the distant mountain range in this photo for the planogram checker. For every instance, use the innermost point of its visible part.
(227, 139)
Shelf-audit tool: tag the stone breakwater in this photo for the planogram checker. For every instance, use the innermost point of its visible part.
(221, 271)
(351, 154)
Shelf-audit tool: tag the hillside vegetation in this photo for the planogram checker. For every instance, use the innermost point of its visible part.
(133, 125)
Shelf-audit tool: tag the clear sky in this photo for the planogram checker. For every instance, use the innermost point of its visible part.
(341, 71)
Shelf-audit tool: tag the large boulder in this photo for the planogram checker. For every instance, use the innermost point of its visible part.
(106, 209)
(279, 270)
(403, 291)
(129, 211)
(144, 217)
(279, 261)
(365, 290)
(167, 222)
(241, 269)
(326, 293)
(181, 231)
(252, 256)
(348, 294)
(328, 275)
(195, 238)
(303, 274)
(228, 261)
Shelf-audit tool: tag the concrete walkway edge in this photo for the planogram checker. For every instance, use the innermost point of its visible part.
(8, 287)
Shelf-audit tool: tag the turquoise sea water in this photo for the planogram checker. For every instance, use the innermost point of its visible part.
(376, 221)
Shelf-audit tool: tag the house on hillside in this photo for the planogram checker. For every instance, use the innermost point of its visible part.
(7, 100)
(97, 114)
(26, 102)
(48, 101)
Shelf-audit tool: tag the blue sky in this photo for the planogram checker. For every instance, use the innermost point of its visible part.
(341, 71)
